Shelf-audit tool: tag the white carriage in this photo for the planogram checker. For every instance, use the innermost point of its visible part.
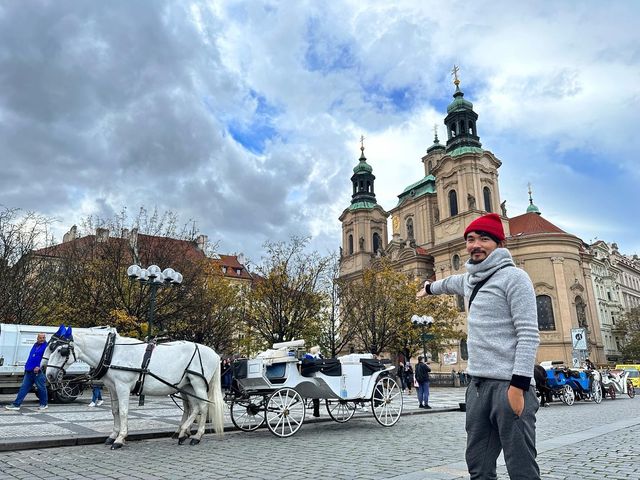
(273, 388)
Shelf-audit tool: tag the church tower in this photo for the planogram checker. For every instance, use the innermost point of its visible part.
(466, 183)
(364, 222)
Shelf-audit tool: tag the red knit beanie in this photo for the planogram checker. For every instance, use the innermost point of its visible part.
(489, 223)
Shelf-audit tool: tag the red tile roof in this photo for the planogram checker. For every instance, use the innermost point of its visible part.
(231, 265)
(531, 224)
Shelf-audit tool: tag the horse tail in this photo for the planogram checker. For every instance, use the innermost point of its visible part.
(216, 402)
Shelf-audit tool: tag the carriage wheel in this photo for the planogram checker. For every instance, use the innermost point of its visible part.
(285, 412)
(246, 413)
(596, 392)
(568, 395)
(630, 390)
(340, 411)
(386, 401)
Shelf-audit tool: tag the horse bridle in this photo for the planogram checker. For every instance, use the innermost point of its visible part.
(66, 350)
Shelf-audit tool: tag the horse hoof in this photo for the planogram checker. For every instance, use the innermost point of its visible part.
(182, 440)
(194, 441)
(116, 446)
(109, 441)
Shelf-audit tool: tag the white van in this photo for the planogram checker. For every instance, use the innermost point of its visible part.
(15, 344)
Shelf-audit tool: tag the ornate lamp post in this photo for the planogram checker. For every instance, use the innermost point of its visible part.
(154, 279)
(425, 323)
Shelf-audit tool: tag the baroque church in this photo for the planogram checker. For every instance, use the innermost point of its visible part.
(460, 183)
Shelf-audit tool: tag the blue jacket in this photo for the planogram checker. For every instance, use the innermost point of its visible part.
(35, 356)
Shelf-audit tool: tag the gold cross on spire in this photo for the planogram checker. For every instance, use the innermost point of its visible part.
(530, 198)
(454, 72)
(435, 131)
(362, 143)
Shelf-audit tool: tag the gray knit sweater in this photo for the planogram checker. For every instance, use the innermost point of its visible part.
(503, 323)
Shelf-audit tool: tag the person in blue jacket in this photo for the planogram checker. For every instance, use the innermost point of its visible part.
(33, 375)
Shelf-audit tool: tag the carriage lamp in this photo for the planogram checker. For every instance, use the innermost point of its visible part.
(425, 323)
(154, 278)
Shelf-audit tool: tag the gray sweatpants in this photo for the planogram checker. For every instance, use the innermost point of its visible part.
(492, 426)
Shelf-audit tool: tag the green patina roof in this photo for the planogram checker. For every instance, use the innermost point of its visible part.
(459, 103)
(421, 187)
(462, 150)
(362, 206)
(362, 166)
(533, 209)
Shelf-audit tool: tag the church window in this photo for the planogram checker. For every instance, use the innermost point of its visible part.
(350, 249)
(368, 187)
(409, 228)
(452, 130)
(429, 167)
(486, 193)
(453, 203)
(376, 242)
(461, 129)
(546, 320)
(456, 262)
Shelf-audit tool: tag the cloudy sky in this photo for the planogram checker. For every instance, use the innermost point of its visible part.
(245, 116)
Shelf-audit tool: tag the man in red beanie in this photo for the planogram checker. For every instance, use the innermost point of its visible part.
(502, 341)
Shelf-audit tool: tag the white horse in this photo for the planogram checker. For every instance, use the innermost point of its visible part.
(185, 367)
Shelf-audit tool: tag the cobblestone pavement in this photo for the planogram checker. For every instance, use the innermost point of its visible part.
(75, 423)
(585, 441)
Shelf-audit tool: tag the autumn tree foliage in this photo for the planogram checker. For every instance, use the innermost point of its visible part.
(286, 300)
(630, 323)
(25, 281)
(380, 305)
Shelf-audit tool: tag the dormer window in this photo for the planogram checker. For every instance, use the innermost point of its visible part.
(224, 270)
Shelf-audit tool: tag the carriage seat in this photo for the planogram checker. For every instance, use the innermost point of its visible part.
(371, 366)
(327, 366)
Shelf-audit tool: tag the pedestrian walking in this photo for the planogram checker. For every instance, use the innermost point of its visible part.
(503, 339)
(422, 377)
(96, 397)
(33, 376)
(408, 375)
(400, 370)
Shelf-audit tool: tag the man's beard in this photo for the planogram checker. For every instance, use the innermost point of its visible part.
(475, 262)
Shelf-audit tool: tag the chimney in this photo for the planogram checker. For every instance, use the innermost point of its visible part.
(72, 234)
(201, 242)
(102, 234)
(125, 233)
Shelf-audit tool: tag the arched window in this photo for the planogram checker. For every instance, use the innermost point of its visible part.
(368, 186)
(545, 313)
(350, 248)
(453, 203)
(376, 242)
(581, 312)
(409, 228)
(486, 193)
(429, 167)
(456, 262)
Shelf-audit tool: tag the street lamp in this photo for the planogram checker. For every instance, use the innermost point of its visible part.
(154, 278)
(425, 323)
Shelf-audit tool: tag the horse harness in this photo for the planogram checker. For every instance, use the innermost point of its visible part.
(105, 364)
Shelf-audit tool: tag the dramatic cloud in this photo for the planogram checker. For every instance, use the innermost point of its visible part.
(245, 117)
